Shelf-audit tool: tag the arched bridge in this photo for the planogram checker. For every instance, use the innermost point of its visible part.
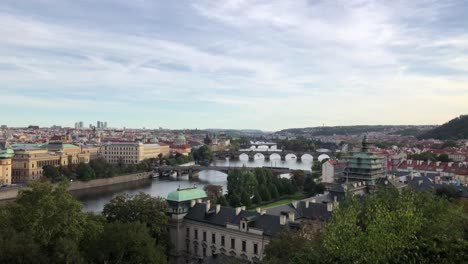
(191, 170)
(267, 155)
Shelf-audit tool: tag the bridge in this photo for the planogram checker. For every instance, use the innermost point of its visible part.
(192, 170)
(268, 145)
(267, 155)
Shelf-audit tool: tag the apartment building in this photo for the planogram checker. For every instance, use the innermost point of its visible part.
(131, 152)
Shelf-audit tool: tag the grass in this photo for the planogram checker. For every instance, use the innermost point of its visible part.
(277, 203)
(283, 200)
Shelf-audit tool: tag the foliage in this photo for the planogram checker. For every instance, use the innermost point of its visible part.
(223, 201)
(264, 193)
(299, 144)
(85, 172)
(245, 199)
(386, 227)
(127, 243)
(299, 177)
(449, 144)
(256, 198)
(312, 188)
(273, 191)
(139, 208)
(52, 173)
(46, 225)
(202, 154)
(456, 128)
(213, 191)
(428, 156)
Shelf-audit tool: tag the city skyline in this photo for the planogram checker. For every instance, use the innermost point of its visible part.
(233, 64)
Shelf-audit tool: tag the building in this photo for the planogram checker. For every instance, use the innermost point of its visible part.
(131, 152)
(201, 231)
(6, 155)
(364, 165)
(180, 146)
(332, 170)
(29, 159)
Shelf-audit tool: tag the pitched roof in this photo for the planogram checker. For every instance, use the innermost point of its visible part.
(186, 195)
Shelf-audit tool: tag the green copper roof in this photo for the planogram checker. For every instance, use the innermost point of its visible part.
(186, 195)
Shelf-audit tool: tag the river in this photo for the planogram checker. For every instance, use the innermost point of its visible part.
(93, 200)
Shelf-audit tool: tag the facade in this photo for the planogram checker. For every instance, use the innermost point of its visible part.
(332, 170)
(364, 165)
(29, 159)
(201, 232)
(5, 163)
(131, 152)
(180, 146)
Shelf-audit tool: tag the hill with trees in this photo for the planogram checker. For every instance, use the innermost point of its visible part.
(456, 128)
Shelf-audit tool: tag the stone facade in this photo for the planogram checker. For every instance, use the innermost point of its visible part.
(131, 153)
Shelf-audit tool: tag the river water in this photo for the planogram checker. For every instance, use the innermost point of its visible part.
(93, 200)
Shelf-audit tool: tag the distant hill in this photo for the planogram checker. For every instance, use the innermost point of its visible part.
(456, 128)
(356, 130)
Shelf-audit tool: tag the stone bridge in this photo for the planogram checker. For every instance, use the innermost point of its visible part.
(193, 170)
(267, 155)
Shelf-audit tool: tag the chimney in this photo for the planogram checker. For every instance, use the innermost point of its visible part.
(438, 163)
(420, 182)
(313, 201)
(282, 219)
(208, 205)
(263, 212)
(193, 203)
(218, 208)
(258, 210)
(450, 164)
(307, 204)
(294, 204)
(243, 208)
(291, 216)
(199, 200)
(329, 207)
(238, 210)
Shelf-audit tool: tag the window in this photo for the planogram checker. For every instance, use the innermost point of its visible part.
(244, 246)
(222, 241)
(187, 245)
(204, 235)
(233, 243)
(187, 232)
(255, 249)
(195, 249)
(213, 238)
(243, 225)
(204, 252)
(196, 234)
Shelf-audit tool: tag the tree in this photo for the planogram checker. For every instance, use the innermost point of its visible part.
(47, 218)
(85, 172)
(265, 194)
(443, 158)
(245, 199)
(299, 177)
(142, 208)
(256, 198)
(222, 201)
(273, 191)
(203, 154)
(52, 173)
(213, 191)
(127, 243)
(449, 144)
(234, 200)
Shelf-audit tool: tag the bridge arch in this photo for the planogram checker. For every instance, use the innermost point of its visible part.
(259, 156)
(243, 157)
(307, 157)
(323, 157)
(275, 156)
(291, 156)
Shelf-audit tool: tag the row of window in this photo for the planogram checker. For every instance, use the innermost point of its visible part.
(223, 241)
(121, 148)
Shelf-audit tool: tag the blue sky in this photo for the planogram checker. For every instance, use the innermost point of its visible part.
(233, 64)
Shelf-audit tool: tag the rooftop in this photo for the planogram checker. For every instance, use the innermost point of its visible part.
(187, 194)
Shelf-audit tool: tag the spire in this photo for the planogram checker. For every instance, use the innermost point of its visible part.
(365, 144)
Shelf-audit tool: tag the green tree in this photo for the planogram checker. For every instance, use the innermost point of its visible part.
(139, 208)
(299, 177)
(265, 194)
(273, 191)
(234, 200)
(449, 144)
(85, 172)
(443, 158)
(127, 243)
(52, 173)
(222, 201)
(52, 220)
(256, 198)
(245, 199)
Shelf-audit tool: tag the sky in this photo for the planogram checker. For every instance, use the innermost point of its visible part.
(233, 64)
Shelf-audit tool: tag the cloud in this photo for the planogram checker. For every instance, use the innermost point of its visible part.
(301, 62)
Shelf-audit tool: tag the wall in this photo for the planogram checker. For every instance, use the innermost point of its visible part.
(78, 185)
(11, 193)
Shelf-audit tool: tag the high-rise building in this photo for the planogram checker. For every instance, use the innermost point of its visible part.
(98, 124)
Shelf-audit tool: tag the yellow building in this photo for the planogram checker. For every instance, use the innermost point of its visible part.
(131, 152)
(29, 159)
(5, 166)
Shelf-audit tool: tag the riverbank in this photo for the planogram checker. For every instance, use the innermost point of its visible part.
(12, 193)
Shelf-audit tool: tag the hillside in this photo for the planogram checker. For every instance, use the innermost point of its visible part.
(356, 130)
(456, 128)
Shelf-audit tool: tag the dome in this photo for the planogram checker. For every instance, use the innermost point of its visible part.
(181, 137)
